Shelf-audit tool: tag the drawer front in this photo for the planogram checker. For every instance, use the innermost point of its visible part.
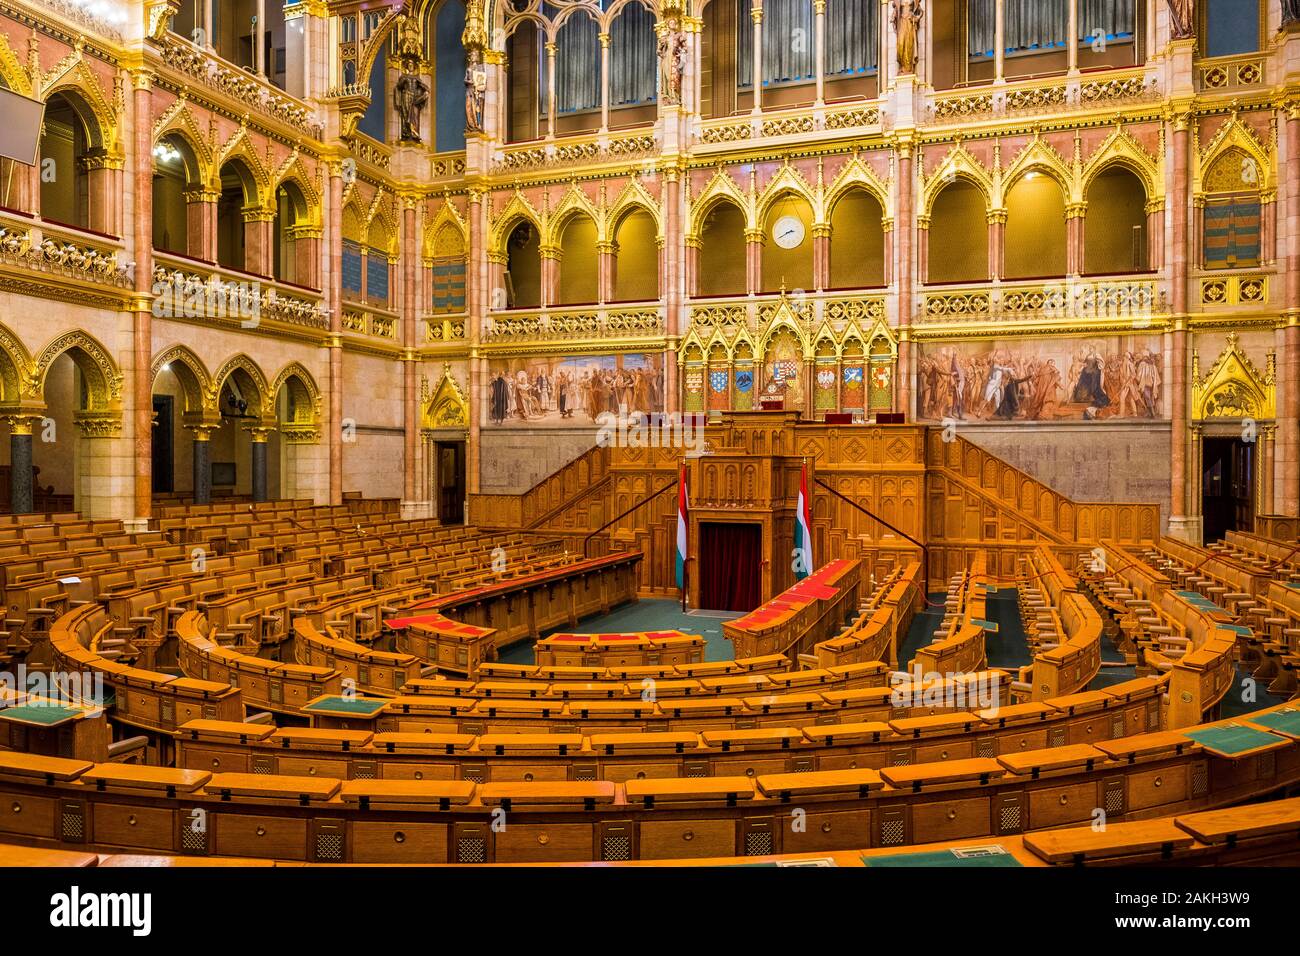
(512, 770)
(545, 842)
(143, 707)
(850, 761)
(949, 750)
(31, 816)
(950, 820)
(743, 766)
(275, 837)
(1022, 741)
(144, 827)
(1059, 806)
(390, 769)
(433, 725)
(1091, 727)
(216, 761)
(1152, 788)
(836, 830)
(623, 772)
(687, 839)
(398, 842)
(312, 767)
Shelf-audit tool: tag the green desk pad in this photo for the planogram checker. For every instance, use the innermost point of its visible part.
(359, 706)
(44, 715)
(990, 626)
(1236, 629)
(942, 858)
(1283, 721)
(1230, 740)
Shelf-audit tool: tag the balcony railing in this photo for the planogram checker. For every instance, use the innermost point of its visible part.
(1089, 91)
(1136, 299)
(247, 88)
(753, 313)
(789, 121)
(62, 251)
(1232, 72)
(444, 329)
(380, 323)
(587, 149)
(596, 322)
(193, 287)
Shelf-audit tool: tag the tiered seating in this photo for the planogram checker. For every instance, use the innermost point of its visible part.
(747, 809)
(635, 649)
(874, 635)
(1066, 630)
(958, 643)
(800, 617)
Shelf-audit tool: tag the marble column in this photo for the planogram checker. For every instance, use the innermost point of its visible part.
(753, 261)
(334, 297)
(1181, 489)
(756, 15)
(201, 224)
(20, 465)
(821, 240)
(259, 232)
(906, 279)
(142, 325)
(606, 263)
(1287, 498)
(997, 220)
(819, 48)
(259, 463)
(604, 82)
(410, 253)
(476, 302)
(1075, 217)
(202, 464)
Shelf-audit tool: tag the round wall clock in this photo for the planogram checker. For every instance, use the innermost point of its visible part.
(787, 232)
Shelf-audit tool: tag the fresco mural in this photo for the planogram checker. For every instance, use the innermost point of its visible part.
(1092, 379)
(559, 390)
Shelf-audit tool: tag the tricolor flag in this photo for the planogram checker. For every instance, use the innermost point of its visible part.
(681, 529)
(803, 530)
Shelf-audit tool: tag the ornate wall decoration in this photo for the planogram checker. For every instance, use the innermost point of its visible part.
(103, 379)
(196, 382)
(447, 407)
(1234, 388)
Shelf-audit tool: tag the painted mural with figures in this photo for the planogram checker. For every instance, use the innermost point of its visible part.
(1092, 379)
(567, 390)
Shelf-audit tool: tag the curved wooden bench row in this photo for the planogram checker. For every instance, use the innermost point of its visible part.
(274, 685)
(1178, 632)
(368, 671)
(576, 750)
(800, 617)
(69, 803)
(493, 616)
(767, 664)
(662, 683)
(141, 698)
(1254, 834)
(958, 648)
(875, 634)
(636, 648)
(1070, 665)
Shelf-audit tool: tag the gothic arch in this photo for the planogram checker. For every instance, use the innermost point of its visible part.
(304, 395)
(102, 377)
(958, 164)
(200, 395)
(248, 368)
(14, 364)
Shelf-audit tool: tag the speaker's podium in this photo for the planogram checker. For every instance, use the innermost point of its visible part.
(743, 496)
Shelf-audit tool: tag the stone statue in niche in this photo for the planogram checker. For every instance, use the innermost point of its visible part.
(475, 90)
(1182, 19)
(410, 96)
(672, 54)
(906, 19)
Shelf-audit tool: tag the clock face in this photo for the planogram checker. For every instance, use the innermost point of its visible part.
(787, 232)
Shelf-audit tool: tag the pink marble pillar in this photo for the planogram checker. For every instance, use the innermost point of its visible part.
(606, 263)
(410, 256)
(906, 280)
(922, 250)
(677, 266)
(1286, 492)
(104, 195)
(1177, 339)
(259, 234)
(997, 221)
(821, 236)
(200, 225)
(142, 327)
(476, 301)
(889, 250)
(1155, 236)
(1074, 241)
(753, 261)
(306, 260)
(334, 299)
(690, 265)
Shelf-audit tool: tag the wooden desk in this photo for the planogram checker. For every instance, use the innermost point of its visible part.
(1148, 839)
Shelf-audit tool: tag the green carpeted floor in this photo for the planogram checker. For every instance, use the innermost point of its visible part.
(651, 614)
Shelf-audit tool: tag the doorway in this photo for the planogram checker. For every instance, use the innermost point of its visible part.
(450, 456)
(1227, 487)
(163, 477)
(730, 566)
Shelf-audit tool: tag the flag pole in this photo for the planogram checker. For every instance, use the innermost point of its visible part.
(686, 562)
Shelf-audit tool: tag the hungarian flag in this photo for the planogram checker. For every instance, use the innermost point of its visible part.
(803, 530)
(681, 529)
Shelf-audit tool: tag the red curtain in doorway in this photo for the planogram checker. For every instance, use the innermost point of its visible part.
(730, 559)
